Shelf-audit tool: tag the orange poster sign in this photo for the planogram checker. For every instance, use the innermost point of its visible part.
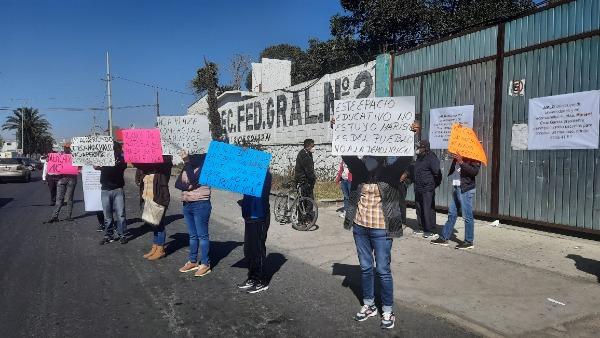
(464, 142)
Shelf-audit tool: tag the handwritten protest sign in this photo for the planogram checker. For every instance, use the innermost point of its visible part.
(464, 142)
(569, 121)
(61, 164)
(92, 188)
(93, 150)
(234, 168)
(441, 121)
(188, 133)
(142, 146)
(374, 126)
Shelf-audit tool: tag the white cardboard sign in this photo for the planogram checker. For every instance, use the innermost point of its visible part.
(91, 188)
(569, 121)
(190, 133)
(377, 126)
(93, 150)
(519, 136)
(441, 121)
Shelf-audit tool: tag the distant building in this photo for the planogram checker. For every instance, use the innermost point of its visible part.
(9, 146)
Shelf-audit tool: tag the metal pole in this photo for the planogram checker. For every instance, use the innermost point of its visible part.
(108, 91)
(157, 108)
(23, 132)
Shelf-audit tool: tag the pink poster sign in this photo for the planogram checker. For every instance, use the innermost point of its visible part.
(61, 164)
(142, 146)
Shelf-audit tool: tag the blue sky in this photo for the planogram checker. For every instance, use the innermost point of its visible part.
(52, 52)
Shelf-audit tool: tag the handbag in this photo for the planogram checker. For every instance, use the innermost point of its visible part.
(153, 212)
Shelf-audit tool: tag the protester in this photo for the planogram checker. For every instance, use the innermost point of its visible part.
(374, 217)
(50, 179)
(65, 190)
(305, 169)
(426, 175)
(100, 217)
(344, 179)
(256, 212)
(462, 175)
(196, 211)
(113, 198)
(153, 180)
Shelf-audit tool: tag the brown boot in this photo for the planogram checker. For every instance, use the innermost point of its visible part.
(151, 252)
(158, 254)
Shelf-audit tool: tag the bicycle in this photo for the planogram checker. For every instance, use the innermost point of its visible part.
(291, 207)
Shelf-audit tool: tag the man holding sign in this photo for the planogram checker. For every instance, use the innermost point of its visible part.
(61, 164)
(463, 143)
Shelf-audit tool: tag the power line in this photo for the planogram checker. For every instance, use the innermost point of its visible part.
(153, 86)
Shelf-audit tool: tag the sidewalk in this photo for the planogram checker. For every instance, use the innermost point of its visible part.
(500, 288)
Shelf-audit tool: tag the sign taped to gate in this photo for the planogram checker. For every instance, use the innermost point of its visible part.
(441, 121)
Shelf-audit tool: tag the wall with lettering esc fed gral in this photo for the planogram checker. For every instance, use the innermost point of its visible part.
(281, 120)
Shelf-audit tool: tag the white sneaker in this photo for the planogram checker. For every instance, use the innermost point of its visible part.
(342, 215)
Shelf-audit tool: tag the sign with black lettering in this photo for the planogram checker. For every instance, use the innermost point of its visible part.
(189, 133)
(93, 150)
(374, 126)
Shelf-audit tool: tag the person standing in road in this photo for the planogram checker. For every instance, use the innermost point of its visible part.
(65, 190)
(153, 180)
(427, 176)
(304, 172)
(113, 198)
(196, 211)
(344, 179)
(256, 212)
(462, 175)
(50, 179)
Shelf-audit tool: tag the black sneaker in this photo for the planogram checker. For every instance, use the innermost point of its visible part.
(248, 283)
(123, 240)
(417, 232)
(106, 240)
(465, 246)
(257, 287)
(428, 234)
(100, 228)
(387, 320)
(365, 312)
(440, 241)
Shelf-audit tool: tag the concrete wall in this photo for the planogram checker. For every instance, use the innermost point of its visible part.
(271, 74)
(282, 119)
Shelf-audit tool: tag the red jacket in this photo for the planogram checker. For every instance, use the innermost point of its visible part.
(338, 177)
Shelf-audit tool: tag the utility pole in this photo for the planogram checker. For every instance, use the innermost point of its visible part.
(109, 93)
(23, 132)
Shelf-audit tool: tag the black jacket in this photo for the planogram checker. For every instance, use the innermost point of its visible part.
(426, 173)
(468, 170)
(387, 178)
(112, 177)
(305, 168)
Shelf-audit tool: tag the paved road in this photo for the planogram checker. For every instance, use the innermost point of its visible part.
(56, 281)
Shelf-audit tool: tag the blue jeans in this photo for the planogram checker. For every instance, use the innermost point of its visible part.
(114, 201)
(464, 201)
(375, 241)
(345, 186)
(196, 216)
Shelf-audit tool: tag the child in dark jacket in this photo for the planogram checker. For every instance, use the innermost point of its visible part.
(256, 212)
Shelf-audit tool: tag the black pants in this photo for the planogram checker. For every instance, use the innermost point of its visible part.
(52, 180)
(307, 190)
(255, 251)
(402, 188)
(425, 205)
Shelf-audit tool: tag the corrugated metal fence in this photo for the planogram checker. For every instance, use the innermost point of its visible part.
(556, 51)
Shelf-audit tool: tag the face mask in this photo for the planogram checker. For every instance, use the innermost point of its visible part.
(370, 162)
(312, 150)
(419, 151)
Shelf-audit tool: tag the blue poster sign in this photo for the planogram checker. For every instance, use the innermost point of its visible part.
(234, 168)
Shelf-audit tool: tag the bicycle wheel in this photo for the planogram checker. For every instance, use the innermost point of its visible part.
(305, 214)
(280, 208)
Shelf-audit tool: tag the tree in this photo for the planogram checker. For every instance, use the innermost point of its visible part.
(206, 83)
(1, 142)
(385, 25)
(36, 129)
(239, 66)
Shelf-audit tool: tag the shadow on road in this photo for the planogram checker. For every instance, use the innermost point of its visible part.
(220, 250)
(273, 264)
(588, 265)
(172, 218)
(352, 280)
(4, 201)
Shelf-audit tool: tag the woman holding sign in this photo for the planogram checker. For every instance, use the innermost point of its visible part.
(196, 211)
(153, 180)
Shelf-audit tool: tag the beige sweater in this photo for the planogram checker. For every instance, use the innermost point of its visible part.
(201, 193)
